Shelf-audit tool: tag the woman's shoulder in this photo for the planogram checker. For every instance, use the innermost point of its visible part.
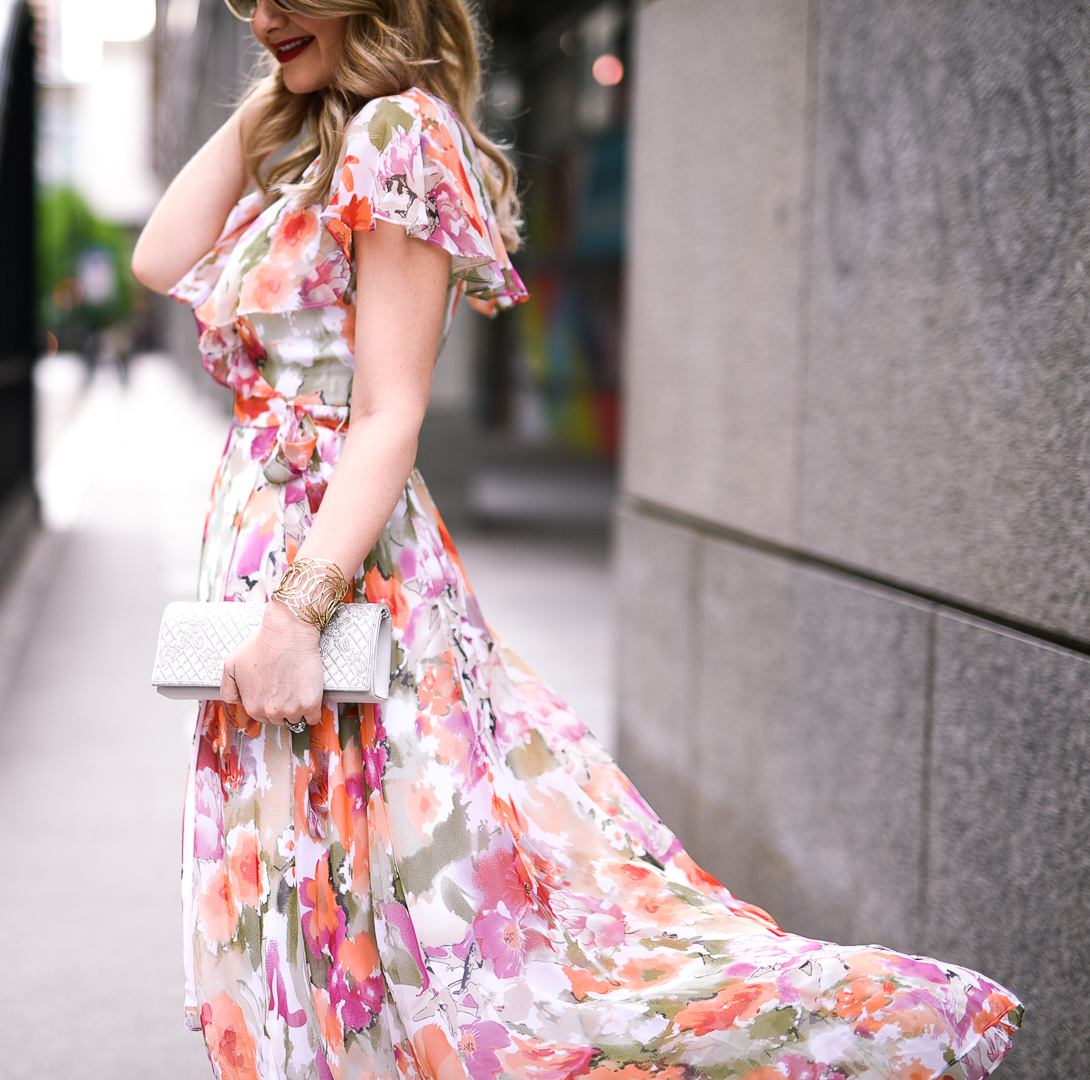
(413, 113)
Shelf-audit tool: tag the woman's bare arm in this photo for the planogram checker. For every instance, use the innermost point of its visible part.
(192, 212)
(400, 299)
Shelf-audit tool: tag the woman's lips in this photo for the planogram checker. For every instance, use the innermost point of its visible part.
(289, 50)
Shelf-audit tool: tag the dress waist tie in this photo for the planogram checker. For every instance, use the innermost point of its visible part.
(298, 439)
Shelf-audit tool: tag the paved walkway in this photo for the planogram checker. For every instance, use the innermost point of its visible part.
(92, 761)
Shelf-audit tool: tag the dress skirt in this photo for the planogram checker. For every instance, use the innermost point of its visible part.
(460, 883)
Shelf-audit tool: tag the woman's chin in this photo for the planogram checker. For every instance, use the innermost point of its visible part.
(300, 84)
(304, 80)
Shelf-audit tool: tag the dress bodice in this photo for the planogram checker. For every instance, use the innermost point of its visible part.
(275, 297)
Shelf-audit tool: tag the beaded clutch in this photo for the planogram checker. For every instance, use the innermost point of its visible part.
(195, 640)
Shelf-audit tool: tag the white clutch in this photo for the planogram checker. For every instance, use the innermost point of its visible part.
(195, 640)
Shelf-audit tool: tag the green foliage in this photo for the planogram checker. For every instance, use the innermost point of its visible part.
(84, 281)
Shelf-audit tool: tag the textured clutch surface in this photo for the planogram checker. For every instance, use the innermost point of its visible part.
(195, 639)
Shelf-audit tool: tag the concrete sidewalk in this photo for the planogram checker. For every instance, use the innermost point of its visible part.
(92, 761)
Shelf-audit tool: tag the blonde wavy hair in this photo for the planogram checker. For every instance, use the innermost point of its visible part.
(389, 46)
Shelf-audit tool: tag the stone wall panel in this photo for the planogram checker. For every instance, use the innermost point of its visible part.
(715, 216)
(656, 574)
(946, 440)
(1008, 880)
(810, 746)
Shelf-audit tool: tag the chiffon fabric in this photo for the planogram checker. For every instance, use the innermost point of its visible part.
(460, 883)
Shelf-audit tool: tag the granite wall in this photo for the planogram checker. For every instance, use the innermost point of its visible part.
(855, 631)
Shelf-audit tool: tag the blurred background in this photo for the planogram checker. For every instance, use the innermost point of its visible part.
(802, 386)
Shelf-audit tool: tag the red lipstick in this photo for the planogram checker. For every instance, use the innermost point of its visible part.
(289, 50)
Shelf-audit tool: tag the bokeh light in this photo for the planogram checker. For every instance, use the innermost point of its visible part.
(607, 70)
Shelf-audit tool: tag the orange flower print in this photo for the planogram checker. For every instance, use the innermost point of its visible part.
(733, 1005)
(323, 920)
(249, 338)
(359, 956)
(348, 176)
(916, 1020)
(863, 996)
(357, 214)
(265, 289)
(435, 1056)
(538, 1060)
(584, 983)
(248, 873)
(230, 1044)
(651, 970)
(341, 233)
(388, 590)
(422, 807)
(329, 1022)
(237, 717)
(438, 689)
(348, 326)
(995, 1006)
(631, 1071)
(913, 1070)
(295, 231)
(217, 908)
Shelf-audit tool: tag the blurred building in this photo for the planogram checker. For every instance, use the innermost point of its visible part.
(855, 662)
(203, 56)
(17, 347)
(95, 175)
(546, 379)
(95, 75)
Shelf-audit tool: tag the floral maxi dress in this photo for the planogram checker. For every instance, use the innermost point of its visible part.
(460, 883)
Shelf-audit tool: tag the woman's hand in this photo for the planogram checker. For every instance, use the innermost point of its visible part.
(276, 675)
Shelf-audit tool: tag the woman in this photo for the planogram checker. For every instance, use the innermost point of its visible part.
(459, 882)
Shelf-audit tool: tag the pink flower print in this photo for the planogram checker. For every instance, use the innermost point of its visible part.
(326, 282)
(593, 922)
(218, 352)
(374, 763)
(539, 701)
(207, 824)
(799, 1068)
(497, 877)
(398, 916)
(401, 156)
(225, 358)
(452, 220)
(396, 178)
(358, 1002)
(406, 561)
(262, 444)
(501, 940)
(278, 990)
(478, 1045)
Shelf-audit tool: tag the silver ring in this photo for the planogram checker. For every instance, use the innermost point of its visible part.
(298, 727)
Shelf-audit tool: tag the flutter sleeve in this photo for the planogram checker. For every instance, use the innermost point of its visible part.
(407, 160)
(198, 283)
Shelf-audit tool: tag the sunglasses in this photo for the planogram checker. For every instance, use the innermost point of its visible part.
(244, 9)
